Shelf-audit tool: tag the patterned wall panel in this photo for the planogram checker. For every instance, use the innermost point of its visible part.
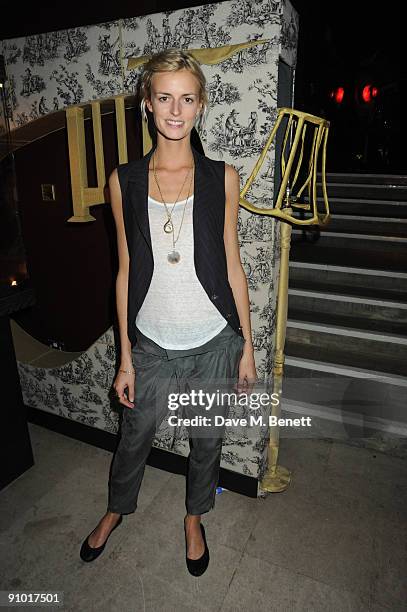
(49, 71)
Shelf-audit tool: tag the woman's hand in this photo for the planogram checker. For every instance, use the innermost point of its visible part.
(124, 385)
(247, 370)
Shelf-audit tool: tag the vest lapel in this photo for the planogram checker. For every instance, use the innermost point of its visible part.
(197, 207)
(139, 193)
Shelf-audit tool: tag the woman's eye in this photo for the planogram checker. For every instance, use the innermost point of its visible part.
(165, 98)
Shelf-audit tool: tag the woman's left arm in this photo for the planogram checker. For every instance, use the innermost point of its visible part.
(236, 274)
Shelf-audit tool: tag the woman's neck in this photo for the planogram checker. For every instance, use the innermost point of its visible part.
(173, 154)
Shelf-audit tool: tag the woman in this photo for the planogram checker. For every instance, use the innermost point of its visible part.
(182, 298)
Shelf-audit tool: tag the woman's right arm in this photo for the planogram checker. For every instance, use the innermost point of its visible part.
(123, 380)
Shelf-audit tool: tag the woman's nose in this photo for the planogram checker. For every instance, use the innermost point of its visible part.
(175, 108)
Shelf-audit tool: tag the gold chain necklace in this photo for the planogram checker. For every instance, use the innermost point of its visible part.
(174, 256)
(168, 226)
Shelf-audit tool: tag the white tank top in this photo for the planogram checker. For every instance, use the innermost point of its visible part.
(177, 312)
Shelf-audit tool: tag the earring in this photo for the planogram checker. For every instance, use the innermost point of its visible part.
(143, 109)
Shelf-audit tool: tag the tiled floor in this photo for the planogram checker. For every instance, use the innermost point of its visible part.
(335, 540)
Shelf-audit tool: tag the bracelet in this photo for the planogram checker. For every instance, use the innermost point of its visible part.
(127, 371)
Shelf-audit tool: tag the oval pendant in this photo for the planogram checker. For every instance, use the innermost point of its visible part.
(168, 227)
(174, 257)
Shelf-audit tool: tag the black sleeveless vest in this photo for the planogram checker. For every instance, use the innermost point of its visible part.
(208, 225)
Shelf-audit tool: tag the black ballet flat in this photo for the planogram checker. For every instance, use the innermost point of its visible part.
(88, 553)
(197, 567)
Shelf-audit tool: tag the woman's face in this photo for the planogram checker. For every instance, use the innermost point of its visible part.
(174, 102)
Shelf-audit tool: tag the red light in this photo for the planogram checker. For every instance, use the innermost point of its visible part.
(337, 94)
(340, 92)
(366, 94)
(369, 92)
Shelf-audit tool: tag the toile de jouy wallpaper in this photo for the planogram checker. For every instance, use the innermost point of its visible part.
(47, 72)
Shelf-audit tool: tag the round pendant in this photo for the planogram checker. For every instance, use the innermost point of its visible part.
(174, 257)
(168, 227)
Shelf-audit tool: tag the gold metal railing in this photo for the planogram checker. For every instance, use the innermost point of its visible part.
(303, 148)
(82, 195)
(293, 158)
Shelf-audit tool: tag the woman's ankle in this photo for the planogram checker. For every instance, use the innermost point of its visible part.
(112, 515)
(191, 519)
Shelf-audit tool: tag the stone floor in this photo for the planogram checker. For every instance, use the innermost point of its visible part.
(335, 540)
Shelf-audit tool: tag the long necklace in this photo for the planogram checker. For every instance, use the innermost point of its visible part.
(174, 256)
(168, 226)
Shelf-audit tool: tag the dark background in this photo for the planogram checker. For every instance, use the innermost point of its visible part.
(351, 45)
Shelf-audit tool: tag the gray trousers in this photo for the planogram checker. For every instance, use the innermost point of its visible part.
(159, 372)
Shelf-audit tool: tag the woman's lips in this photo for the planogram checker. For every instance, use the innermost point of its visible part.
(175, 125)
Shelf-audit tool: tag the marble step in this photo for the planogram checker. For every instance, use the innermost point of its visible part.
(360, 224)
(348, 310)
(365, 207)
(370, 179)
(373, 283)
(350, 396)
(350, 346)
(356, 240)
(367, 190)
(357, 250)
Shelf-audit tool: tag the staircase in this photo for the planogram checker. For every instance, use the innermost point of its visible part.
(346, 345)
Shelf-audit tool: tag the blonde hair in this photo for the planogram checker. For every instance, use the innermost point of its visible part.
(171, 60)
